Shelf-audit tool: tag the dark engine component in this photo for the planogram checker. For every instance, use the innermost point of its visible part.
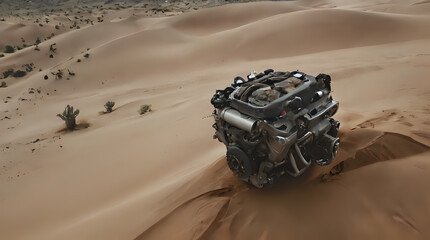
(275, 123)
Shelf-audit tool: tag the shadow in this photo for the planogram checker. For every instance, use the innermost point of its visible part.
(79, 126)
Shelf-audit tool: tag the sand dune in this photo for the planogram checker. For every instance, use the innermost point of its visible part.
(161, 176)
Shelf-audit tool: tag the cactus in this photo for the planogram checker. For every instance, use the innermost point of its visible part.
(144, 108)
(69, 116)
(109, 105)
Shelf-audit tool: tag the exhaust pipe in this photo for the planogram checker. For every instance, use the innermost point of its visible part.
(238, 120)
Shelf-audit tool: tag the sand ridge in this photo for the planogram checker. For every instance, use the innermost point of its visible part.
(161, 175)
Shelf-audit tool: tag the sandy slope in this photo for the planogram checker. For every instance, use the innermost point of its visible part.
(161, 176)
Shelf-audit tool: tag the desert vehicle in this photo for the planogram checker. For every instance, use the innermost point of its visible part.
(275, 123)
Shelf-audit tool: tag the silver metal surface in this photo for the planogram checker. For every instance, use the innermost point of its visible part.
(301, 156)
(238, 120)
(293, 162)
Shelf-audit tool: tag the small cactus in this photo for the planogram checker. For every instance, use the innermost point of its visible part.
(109, 105)
(144, 108)
(69, 116)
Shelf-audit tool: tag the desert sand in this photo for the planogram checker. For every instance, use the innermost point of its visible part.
(161, 175)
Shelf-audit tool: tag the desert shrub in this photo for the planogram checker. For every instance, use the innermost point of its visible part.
(109, 105)
(7, 73)
(71, 73)
(52, 48)
(9, 49)
(1, 55)
(144, 108)
(28, 67)
(19, 73)
(87, 55)
(58, 74)
(69, 117)
(3, 84)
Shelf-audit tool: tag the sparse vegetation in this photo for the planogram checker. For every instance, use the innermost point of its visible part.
(87, 55)
(3, 84)
(52, 48)
(109, 105)
(19, 73)
(7, 73)
(144, 109)
(69, 117)
(28, 67)
(58, 74)
(9, 49)
(71, 73)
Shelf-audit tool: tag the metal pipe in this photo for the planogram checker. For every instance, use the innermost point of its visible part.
(299, 153)
(305, 139)
(238, 120)
(294, 165)
(293, 162)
